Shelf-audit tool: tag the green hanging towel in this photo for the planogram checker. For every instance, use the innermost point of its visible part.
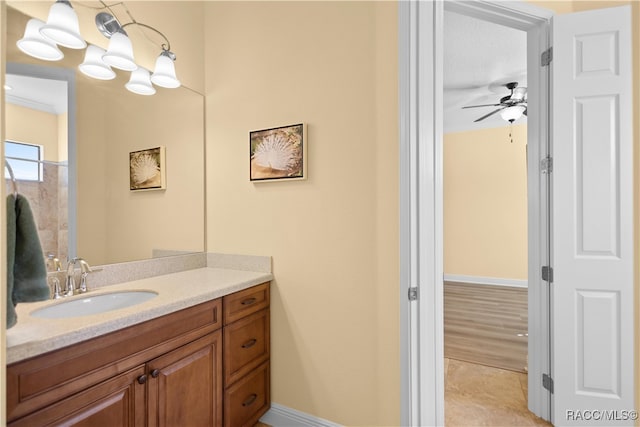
(26, 269)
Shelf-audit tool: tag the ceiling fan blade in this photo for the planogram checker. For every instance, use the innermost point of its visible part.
(490, 114)
(483, 105)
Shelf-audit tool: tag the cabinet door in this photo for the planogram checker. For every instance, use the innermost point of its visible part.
(117, 402)
(185, 385)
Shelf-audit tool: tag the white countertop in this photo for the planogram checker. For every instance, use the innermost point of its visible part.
(32, 336)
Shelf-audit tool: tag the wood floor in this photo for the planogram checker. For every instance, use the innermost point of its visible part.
(486, 325)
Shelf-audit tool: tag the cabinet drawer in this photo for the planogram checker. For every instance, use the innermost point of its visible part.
(248, 399)
(244, 303)
(246, 345)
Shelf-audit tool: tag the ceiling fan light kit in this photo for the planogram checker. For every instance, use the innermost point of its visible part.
(511, 107)
(513, 113)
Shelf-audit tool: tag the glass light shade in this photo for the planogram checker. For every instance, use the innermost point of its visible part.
(164, 73)
(512, 113)
(34, 44)
(140, 82)
(94, 66)
(120, 53)
(62, 26)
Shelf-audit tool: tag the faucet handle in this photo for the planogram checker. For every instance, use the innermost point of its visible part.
(56, 264)
(85, 268)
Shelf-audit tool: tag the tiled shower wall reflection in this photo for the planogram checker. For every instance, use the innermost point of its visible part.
(49, 202)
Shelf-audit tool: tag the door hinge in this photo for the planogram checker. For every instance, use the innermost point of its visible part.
(413, 294)
(547, 382)
(547, 273)
(546, 165)
(546, 57)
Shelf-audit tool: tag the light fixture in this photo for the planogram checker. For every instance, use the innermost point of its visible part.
(512, 113)
(34, 44)
(94, 66)
(62, 26)
(120, 52)
(140, 82)
(164, 74)
(7, 87)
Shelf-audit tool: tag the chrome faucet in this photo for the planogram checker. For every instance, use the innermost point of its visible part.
(85, 268)
(56, 281)
(71, 281)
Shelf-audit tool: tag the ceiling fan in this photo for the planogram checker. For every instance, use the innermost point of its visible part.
(512, 106)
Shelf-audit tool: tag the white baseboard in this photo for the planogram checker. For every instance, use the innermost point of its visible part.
(495, 281)
(282, 416)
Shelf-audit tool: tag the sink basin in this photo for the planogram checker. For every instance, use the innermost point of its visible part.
(93, 304)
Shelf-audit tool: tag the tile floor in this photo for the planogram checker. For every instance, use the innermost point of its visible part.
(477, 395)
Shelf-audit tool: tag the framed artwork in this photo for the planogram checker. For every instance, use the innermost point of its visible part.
(147, 169)
(278, 154)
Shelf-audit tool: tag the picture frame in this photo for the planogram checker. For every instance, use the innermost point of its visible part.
(147, 169)
(278, 154)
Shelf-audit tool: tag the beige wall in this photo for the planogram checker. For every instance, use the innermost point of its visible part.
(33, 127)
(333, 237)
(485, 203)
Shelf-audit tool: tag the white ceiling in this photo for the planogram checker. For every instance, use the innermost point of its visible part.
(45, 95)
(479, 59)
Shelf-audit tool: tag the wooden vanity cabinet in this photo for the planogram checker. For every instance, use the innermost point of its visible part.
(246, 356)
(164, 372)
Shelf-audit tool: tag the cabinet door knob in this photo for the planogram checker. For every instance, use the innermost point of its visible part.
(250, 343)
(249, 400)
(249, 301)
(155, 373)
(142, 379)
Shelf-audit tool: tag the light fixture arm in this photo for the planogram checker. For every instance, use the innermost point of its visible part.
(165, 46)
(108, 24)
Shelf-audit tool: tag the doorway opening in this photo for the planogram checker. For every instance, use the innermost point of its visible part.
(422, 253)
(485, 222)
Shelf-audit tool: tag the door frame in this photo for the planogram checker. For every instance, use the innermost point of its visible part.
(420, 33)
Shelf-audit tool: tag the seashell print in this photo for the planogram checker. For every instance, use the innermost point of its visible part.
(277, 153)
(145, 169)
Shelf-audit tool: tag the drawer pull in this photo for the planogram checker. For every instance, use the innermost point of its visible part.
(155, 373)
(250, 343)
(249, 301)
(249, 400)
(142, 379)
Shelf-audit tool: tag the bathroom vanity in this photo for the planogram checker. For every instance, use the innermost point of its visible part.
(206, 364)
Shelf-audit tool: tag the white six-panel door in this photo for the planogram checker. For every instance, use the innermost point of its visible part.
(592, 238)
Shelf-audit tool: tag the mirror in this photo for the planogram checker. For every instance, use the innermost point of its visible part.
(83, 195)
